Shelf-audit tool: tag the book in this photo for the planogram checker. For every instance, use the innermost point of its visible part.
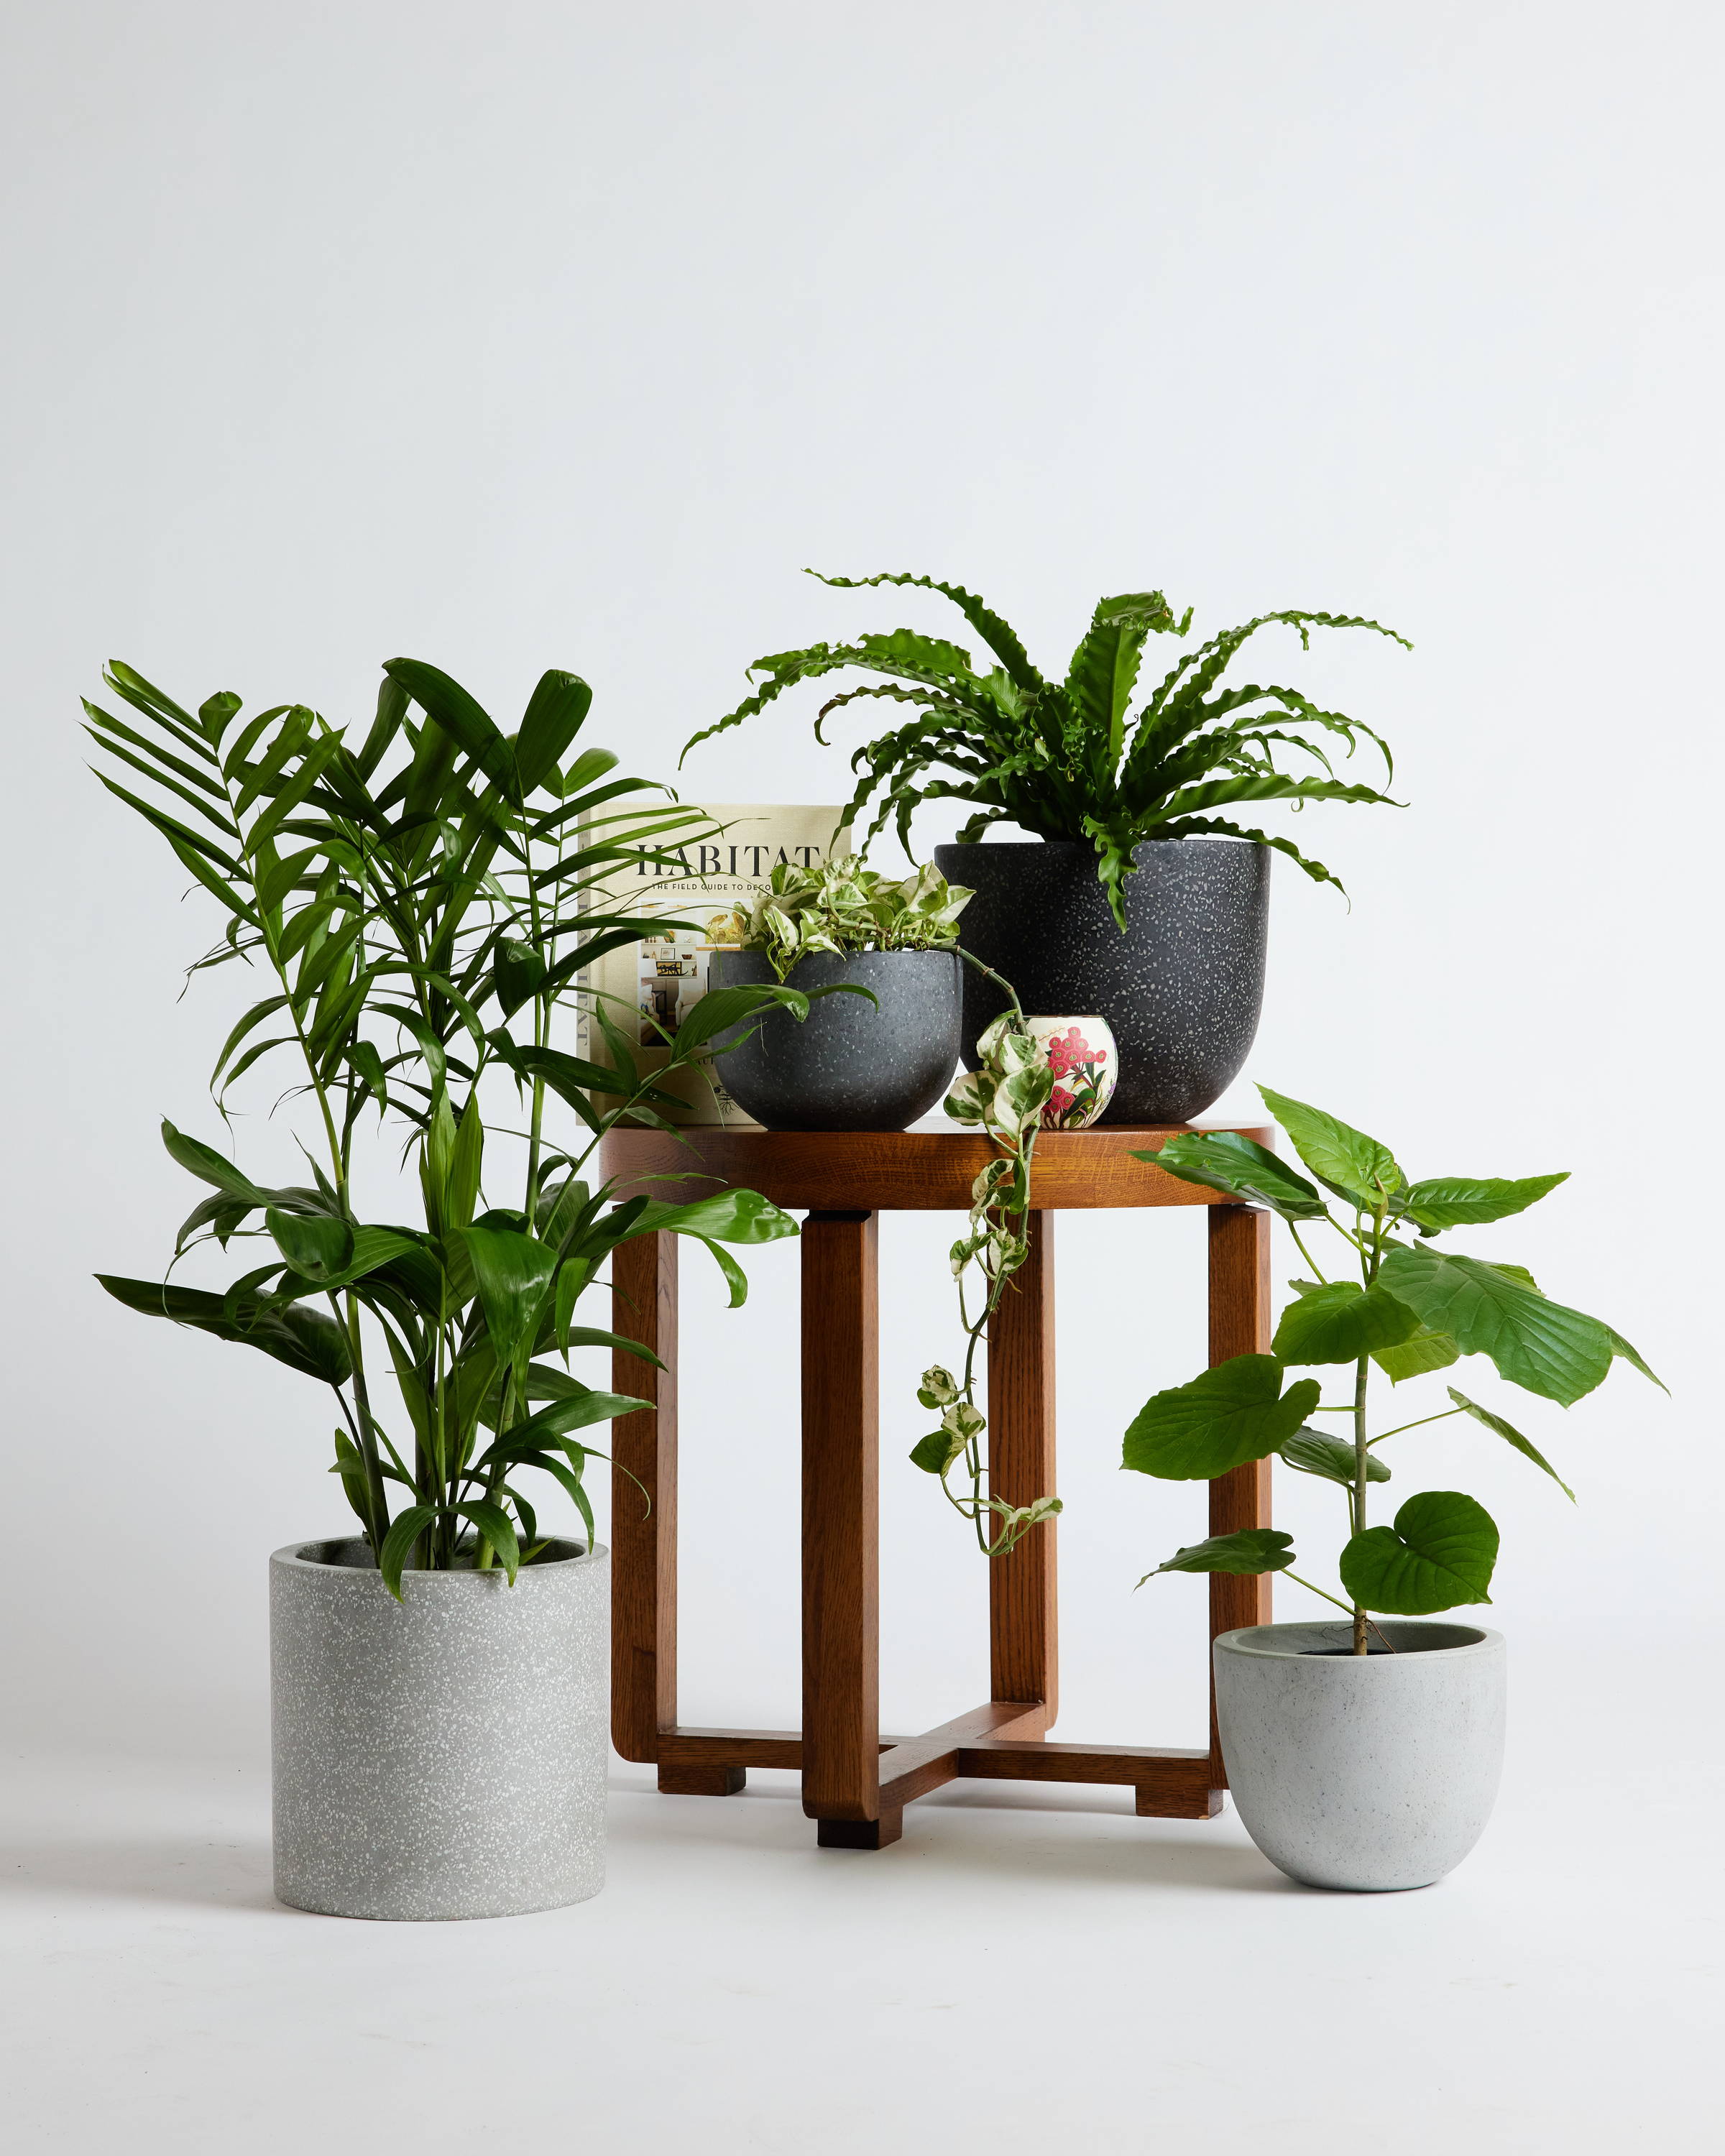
(711, 887)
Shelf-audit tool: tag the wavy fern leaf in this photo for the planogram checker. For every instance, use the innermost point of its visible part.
(998, 635)
(1267, 785)
(1193, 827)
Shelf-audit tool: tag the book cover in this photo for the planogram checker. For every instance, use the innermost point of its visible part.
(711, 887)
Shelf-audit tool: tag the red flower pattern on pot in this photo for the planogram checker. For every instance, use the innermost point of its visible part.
(1084, 1064)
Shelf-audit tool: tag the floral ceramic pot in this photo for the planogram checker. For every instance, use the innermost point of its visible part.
(1084, 1063)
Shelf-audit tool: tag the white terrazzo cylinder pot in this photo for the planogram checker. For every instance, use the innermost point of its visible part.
(1373, 1773)
(443, 1756)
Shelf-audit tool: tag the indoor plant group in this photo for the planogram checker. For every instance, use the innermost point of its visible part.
(1145, 901)
(1366, 1755)
(418, 900)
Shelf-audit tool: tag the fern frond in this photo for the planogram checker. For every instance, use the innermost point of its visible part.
(1267, 785)
(1193, 827)
(995, 632)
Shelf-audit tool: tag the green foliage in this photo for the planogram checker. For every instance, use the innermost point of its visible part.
(1069, 759)
(1441, 1551)
(842, 906)
(1226, 1160)
(1340, 1323)
(1411, 1310)
(1234, 1412)
(1250, 1550)
(422, 896)
(1004, 1097)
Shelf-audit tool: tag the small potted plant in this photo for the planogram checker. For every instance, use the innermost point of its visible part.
(1145, 901)
(415, 900)
(1365, 1754)
(882, 1048)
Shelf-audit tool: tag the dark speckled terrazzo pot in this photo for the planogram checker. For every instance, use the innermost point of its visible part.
(445, 1756)
(848, 1065)
(1181, 990)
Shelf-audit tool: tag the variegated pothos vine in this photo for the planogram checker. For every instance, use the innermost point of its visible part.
(1004, 1096)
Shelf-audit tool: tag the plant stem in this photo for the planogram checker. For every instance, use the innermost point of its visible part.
(1361, 1455)
(1327, 1597)
(1443, 1417)
(1294, 1230)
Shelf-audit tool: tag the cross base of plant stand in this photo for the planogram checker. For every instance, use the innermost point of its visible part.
(856, 1782)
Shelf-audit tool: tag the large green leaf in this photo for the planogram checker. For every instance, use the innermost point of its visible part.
(553, 718)
(576, 1411)
(1227, 1161)
(314, 1243)
(497, 1528)
(1099, 682)
(1345, 1159)
(1619, 1346)
(210, 1166)
(730, 1216)
(305, 1340)
(1422, 1351)
(513, 1273)
(404, 1530)
(721, 1008)
(1456, 1201)
(1339, 1323)
(1542, 1346)
(1229, 1415)
(459, 716)
(1249, 1550)
(1315, 1452)
(1511, 1436)
(1441, 1553)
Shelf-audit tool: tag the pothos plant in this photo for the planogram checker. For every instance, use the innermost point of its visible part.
(1004, 1096)
(844, 907)
(1069, 759)
(1410, 1308)
(421, 901)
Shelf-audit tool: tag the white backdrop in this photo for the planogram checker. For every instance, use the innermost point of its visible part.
(536, 334)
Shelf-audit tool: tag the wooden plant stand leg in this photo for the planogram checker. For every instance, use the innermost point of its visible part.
(644, 1529)
(1239, 1325)
(1021, 1654)
(841, 1685)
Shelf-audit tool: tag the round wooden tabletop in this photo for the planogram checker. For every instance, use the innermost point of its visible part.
(900, 1171)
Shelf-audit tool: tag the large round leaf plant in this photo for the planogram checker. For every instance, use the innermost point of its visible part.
(1406, 1307)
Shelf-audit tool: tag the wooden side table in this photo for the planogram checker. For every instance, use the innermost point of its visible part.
(856, 1782)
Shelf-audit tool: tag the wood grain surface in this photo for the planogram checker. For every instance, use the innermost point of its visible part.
(644, 1529)
(1240, 1324)
(1023, 1655)
(841, 1387)
(900, 1171)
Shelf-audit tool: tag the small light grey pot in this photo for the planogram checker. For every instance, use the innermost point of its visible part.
(1374, 1774)
(851, 1064)
(445, 1756)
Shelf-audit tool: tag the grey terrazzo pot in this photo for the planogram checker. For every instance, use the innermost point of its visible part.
(1374, 1774)
(445, 1756)
(1181, 989)
(850, 1065)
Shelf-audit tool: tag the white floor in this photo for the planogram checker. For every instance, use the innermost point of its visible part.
(1025, 1970)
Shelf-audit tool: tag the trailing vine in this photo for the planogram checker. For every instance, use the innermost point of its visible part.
(1004, 1097)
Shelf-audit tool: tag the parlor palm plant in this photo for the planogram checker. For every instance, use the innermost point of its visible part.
(421, 901)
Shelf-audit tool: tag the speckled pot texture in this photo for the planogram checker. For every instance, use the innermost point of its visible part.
(443, 1756)
(849, 1065)
(1182, 989)
(1372, 1774)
